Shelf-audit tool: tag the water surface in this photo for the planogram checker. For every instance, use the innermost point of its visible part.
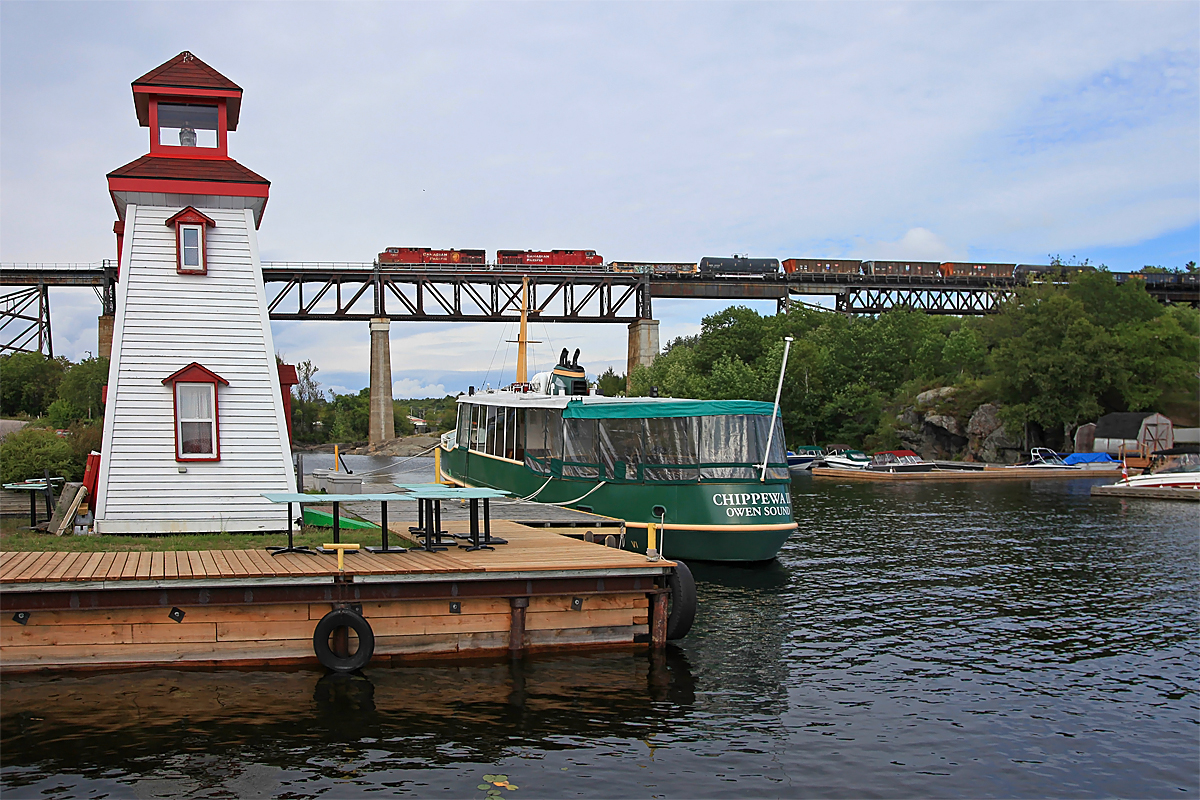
(1021, 640)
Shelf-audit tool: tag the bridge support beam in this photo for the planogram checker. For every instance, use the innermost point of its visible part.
(104, 335)
(643, 345)
(383, 422)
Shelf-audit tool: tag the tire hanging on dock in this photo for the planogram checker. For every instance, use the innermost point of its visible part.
(683, 601)
(343, 618)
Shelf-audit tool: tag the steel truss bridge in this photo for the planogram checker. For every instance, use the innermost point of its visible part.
(475, 293)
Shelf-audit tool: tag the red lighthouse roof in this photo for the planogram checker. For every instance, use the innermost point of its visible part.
(186, 75)
(189, 108)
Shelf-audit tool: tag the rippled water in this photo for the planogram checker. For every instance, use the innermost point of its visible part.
(911, 641)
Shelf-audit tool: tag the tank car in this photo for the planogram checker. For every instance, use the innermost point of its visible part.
(739, 266)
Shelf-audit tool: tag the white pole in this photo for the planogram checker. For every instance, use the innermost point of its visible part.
(787, 344)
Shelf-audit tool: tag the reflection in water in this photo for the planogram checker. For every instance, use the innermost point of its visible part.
(1018, 640)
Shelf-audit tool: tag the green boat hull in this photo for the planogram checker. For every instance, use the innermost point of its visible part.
(706, 521)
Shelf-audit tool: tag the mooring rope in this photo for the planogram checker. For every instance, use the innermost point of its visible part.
(391, 467)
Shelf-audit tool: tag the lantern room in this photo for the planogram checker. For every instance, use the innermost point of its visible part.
(189, 108)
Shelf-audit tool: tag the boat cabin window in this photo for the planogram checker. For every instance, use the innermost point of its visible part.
(579, 449)
(672, 449)
(732, 444)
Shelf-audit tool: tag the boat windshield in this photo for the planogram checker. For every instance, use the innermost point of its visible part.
(636, 449)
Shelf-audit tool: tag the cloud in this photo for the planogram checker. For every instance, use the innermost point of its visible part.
(406, 388)
(918, 244)
(644, 131)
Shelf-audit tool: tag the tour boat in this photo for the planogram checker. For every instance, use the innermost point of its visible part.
(710, 475)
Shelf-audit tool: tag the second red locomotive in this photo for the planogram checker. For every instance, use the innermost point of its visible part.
(549, 258)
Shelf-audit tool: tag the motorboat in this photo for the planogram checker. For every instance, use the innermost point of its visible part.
(840, 456)
(1172, 470)
(899, 461)
(804, 458)
(1044, 458)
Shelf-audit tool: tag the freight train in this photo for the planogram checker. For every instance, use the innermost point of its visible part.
(742, 267)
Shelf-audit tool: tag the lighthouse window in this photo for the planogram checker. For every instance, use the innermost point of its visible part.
(182, 125)
(195, 409)
(189, 246)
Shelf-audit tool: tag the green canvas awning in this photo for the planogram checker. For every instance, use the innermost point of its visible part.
(649, 408)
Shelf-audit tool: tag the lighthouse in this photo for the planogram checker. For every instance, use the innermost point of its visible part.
(194, 427)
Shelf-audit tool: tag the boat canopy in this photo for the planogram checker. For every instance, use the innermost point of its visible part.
(660, 408)
(1089, 458)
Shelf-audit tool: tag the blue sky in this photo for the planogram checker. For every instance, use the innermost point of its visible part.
(988, 131)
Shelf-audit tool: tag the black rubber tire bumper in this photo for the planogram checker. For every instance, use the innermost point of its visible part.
(683, 601)
(343, 618)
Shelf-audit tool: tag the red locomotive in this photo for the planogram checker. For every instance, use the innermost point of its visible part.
(549, 258)
(425, 255)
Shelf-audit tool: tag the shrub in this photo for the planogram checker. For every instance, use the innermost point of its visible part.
(30, 451)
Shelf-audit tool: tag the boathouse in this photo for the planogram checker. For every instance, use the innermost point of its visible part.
(195, 428)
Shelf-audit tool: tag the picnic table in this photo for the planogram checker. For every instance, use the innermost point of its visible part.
(36, 486)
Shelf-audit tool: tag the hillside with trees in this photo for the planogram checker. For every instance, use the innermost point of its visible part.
(1052, 359)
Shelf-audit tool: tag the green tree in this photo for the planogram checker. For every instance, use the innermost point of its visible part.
(29, 383)
(610, 384)
(82, 386)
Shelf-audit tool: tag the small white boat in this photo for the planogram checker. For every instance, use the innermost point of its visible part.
(1044, 458)
(842, 457)
(804, 458)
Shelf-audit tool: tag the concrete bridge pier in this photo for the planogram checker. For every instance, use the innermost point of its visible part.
(383, 422)
(643, 345)
(104, 335)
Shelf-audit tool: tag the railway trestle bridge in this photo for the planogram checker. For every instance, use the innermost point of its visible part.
(364, 291)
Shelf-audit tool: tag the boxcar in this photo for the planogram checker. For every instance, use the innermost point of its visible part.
(549, 258)
(667, 269)
(426, 255)
(923, 268)
(958, 269)
(740, 267)
(822, 265)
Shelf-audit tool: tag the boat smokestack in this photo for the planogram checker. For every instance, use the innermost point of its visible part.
(575, 361)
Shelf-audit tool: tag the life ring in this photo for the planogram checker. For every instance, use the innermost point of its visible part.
(343, 618)
(682, 600)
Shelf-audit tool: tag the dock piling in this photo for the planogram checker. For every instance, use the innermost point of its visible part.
(516, 632)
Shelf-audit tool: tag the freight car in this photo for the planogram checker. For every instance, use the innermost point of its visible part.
(1037, 272)
(961, 269)
(664, 269)
(922, 268)
(425, 255)
(822, 266)
(739, 267)
(549, 258)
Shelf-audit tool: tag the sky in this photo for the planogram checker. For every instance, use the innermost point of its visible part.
(985, 131)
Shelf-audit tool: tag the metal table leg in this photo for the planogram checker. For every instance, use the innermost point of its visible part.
(475, 545)
(431, 533)
(383, 524)
(487, 526)
(291, 547)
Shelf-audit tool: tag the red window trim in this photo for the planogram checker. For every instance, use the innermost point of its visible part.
(157, 148)
(196, 373)
(190, 216)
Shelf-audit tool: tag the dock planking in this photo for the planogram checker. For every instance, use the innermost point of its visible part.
(529, 550)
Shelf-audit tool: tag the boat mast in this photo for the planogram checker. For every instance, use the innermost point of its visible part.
(522, 338)
(787, 344)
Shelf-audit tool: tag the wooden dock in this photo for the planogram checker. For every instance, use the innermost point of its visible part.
(1146, 492)
(540, 591)
(957, 475)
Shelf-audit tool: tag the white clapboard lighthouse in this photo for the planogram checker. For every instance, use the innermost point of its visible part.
(194, 427)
